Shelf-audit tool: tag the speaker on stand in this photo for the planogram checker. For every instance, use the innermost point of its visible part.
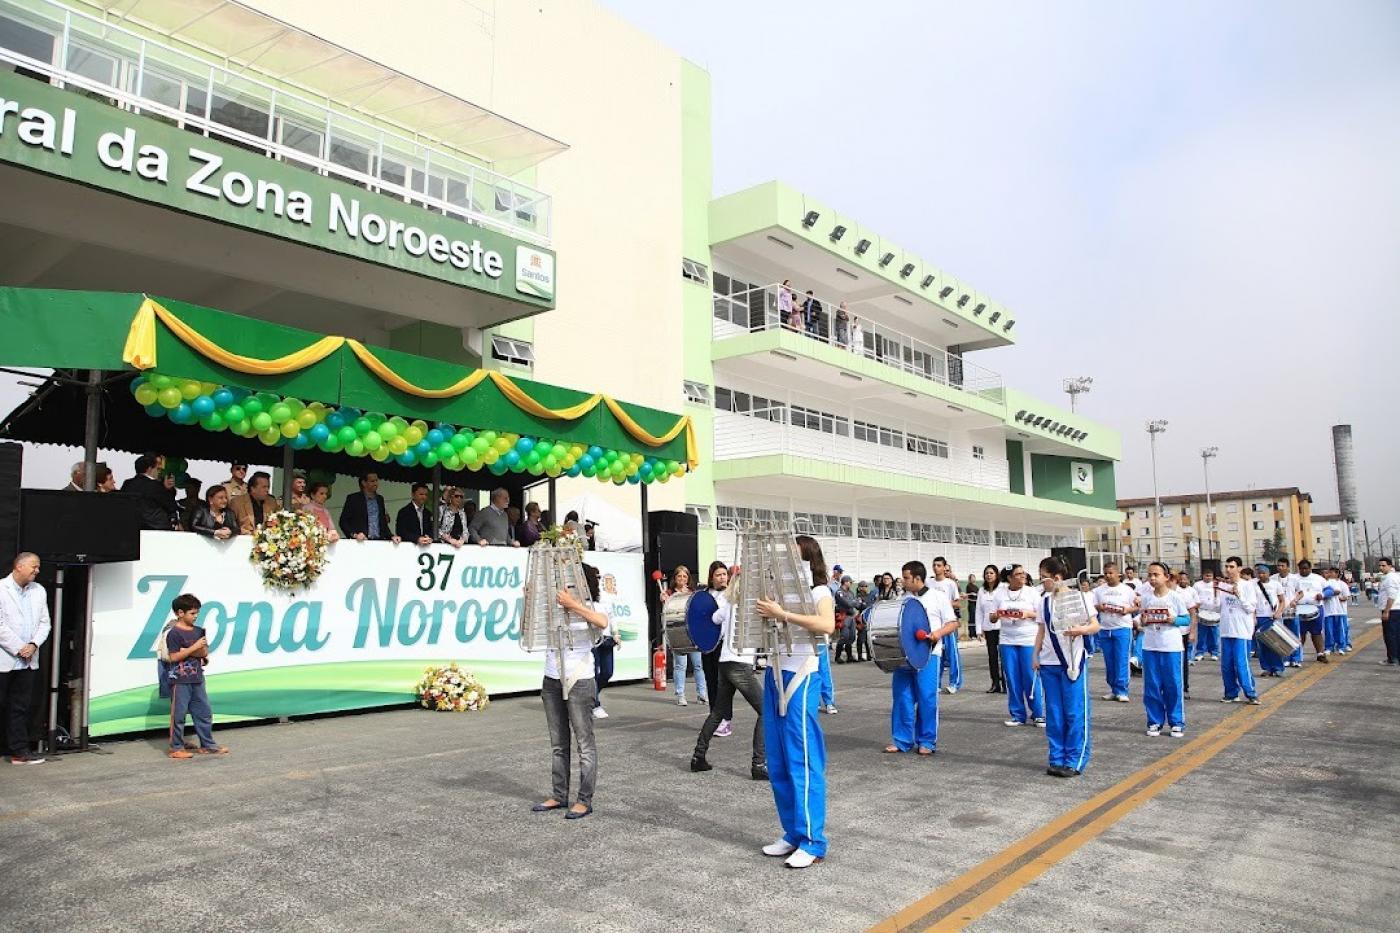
(673, 541)
(1075, 558)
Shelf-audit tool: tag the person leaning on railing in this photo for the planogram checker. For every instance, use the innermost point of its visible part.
(213, 519)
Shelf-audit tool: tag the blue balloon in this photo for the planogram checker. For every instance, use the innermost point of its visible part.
(511, 459)
(318, 433)
(202, 405)
(634, 479)
(447, 429)
(436, 437)
(182, 413)
(585, 461)
(422, 447)
(155, 410)
(524, 445)
(595, 452)
(301, 441)
(498, 468)
(574, 470)
(137, 383)
(335, 421)
(408, 458)
(350, 414)
(223, 398)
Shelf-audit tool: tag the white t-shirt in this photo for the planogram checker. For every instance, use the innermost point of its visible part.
(1290, 587)
(724, 617)
(1237, 608)
(1010, 606)
(1188, 596)
(1048, 657)
(948, 588)
(1270, 593)
(1107, 598)
(986, 609)
(578, 661)
(1311, 588)
(1159, 613)
(1206, 598)
(1389, 591)
(1337, 605)
(940, 612)
(801, 645)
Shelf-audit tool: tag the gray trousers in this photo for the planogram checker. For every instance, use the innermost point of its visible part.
(565, 717)
(734, 676)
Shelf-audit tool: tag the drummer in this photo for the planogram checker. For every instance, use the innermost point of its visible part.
(1289, 581)
(1114, 601)
(1307, 602)
(944, 580)
(1208, 617)
(1268, 613)
(736, 674)
(1016, 608)
(914, 707)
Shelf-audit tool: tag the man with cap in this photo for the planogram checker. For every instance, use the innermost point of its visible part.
(847, 609)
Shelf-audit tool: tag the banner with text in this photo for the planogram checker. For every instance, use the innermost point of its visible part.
(361, 637)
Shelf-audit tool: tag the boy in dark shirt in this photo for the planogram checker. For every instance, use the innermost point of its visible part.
(189, 652)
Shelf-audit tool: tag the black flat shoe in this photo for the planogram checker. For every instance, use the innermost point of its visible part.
(994, 690)
(1058, 771)
(577, 814)
(699, 764)
(758, 774)
(546, 807)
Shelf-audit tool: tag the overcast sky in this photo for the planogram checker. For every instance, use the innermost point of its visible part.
(1196, 203)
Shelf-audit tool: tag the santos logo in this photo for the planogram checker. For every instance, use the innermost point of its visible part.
(534, 272)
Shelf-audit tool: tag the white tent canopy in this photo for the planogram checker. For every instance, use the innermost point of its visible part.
(616, 531)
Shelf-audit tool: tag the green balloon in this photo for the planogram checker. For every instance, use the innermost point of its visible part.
(533, 457)
(252, 405)
(430, 459)
(481, 445)
(387, 431)
(212, 422)
(271, 435)
(280, 413)
(347, 434)
(459, 442)
(363, 426)
(355, 448)
(242, 427)
(470, 457)
(234, 413)
(262, 421)
(445, 450)
(372, 441)
(333, 444)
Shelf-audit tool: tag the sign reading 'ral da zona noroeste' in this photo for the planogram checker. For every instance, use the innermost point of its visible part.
(65, 134)
(360, 637)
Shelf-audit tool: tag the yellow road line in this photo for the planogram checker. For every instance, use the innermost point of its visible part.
(983, 887)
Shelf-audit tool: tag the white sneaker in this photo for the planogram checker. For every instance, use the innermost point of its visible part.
(779, 848)
(599, 713)
(1013, 722)
(829, 708)
(1154, 729)
(1040, 723)
(801, 859)
(1215, 657)
(1109, 696)
(1178, 732)
(1122, 698)
(680, 701)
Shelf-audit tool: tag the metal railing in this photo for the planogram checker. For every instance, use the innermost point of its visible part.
(738, 436)
(138, 74)
(762, 308)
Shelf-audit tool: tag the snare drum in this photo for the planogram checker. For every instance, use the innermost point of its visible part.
(674, 623)
(1279, 639)
(1208, 616)
(893, 627)
(1307, 612)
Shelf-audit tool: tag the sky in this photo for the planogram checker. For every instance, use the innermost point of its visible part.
(1195, 203)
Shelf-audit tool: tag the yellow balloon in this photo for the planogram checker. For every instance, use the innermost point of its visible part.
(290, 429)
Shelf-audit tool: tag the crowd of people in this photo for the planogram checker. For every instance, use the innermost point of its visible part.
(806, 315)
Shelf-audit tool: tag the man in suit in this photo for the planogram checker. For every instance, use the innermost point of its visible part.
(492, 524)
(364, 516)
(252, 510)
(413, 522)
(157, 502)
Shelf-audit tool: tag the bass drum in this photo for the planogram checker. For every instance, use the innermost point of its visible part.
(673, 623)
(700, 621)
(893, 627)
(1308, 611)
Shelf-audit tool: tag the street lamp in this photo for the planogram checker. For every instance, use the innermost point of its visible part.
(1153, 429)
(1076, 386)
(1206, 454)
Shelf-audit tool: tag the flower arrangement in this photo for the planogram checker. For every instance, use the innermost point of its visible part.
(452, 690)
(559, 536)
(289, 549)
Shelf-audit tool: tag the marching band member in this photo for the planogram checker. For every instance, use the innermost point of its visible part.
(988, 627)
(1114, 601)
(1268, 613)
(1334, 611)
(1164, 615)
(1017, 609)
(1130, 577)
(1309, 594)
(1207, 618)
(568, 706)
(951, 660)
(1187, 592)
(1059, 656)
(1237, 598)
(914, 706)
(736, 674)
(1289, 582)
(792, 729)
(1091, 642)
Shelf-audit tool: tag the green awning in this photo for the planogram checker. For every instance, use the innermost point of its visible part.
(59, 329)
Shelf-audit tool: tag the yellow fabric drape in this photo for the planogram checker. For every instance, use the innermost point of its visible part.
(140, 349)
(140, 352)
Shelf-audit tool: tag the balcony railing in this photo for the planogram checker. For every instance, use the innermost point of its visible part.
(758, 309)
(141, 75)
(740, 436)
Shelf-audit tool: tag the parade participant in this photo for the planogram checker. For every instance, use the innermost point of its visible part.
(1059, 656)
(1388, 597)
(1207, 618)
(736, 674)
(792, 732)
(568, 707)
(1187, 592)
(1114, 602)
(1268, 613)
(1164, 615)
(1334, 611)
(914, 707)
(951, 659)
(1131, 578)
(1307, 603)
(1017, 609)
(989, 627)
(1289, 581)
(1091, 642)
(1237, 598)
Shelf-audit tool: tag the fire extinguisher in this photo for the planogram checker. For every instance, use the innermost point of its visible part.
(658, 657)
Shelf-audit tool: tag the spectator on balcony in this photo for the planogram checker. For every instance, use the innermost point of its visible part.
(318, 494)
(364, 516)
(192, 502)
(492, 525)
(106, 479)
(213, 518)
(254, 508)
(75, 478)
(812, 316)
(857, 336)
(532, 526)
(788, 314)
(157, 502)
(234, 485)
(414, 522)
(300, 497)
(843, 326)
(452, 517)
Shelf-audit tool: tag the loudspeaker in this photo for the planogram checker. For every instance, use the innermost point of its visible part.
(80, 527)
(1075, 558)
(11, 464)
(673, 540)
(1214, 565)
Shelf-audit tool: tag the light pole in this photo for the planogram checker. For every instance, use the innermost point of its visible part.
(1153, 429)
(1206, 454)
(1076, 386)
